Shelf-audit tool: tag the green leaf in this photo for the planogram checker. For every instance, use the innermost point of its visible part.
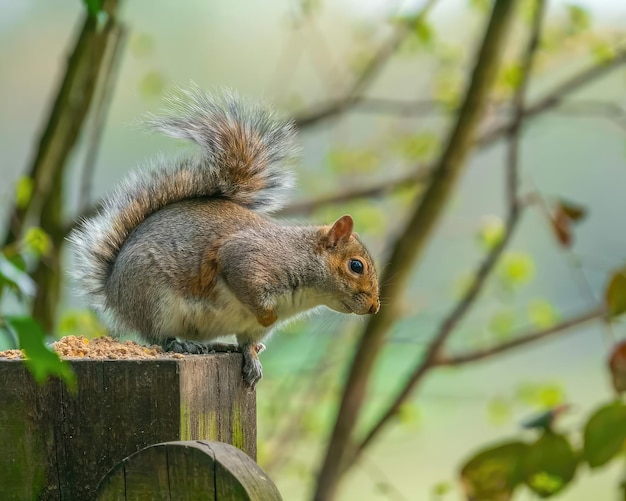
(516, 268)
(615, 295)
(494, 473)
(603, 52)
(491, 231)
(152, 84)
(24, 192)
(604, 434)
(37, 241)
(93, 6)
(80, 322)
(41, 360)
(541, 396)
(408, 414)
(12, 275)
(424, 31)
(542, 314)
(510, 76)
(579, 18)
(549, 464)
(441, 489)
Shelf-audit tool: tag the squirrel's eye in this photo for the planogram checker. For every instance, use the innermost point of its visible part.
(356, 266)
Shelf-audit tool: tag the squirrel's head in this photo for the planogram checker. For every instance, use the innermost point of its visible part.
(352, 275)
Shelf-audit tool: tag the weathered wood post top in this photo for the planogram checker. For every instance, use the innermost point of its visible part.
(58, 445)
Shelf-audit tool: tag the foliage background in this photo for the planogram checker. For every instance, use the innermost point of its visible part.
(298, 54)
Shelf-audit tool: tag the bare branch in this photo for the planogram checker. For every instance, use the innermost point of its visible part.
(367, 76)
(306, 207)
(519, 341)
(110, 69)
(553, 100)
(464, 305)
(411, 243)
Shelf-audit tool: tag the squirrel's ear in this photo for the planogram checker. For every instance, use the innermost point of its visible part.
(341, 230)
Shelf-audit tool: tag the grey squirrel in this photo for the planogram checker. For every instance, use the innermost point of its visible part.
(186, 250)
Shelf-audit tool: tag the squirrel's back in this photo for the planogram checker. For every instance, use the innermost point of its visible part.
(244, 155)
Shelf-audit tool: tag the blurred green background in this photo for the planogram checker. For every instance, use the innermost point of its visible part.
(296, 55)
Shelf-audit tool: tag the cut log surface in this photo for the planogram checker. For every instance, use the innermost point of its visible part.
(58, 445)
(190, 470)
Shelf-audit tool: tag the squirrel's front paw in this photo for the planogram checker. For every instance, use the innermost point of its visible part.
(252, 370)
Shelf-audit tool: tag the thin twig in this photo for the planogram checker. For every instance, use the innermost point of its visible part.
(519, 341)
(366, 77)
(110, 68)
(306, 207)
(465, 304)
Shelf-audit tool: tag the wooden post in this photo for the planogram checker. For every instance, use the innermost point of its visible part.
(188, 470)
(58, 445)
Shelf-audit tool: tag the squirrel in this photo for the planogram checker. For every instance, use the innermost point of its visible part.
(186, 252)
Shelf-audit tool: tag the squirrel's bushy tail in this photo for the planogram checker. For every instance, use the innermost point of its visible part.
(244, 155)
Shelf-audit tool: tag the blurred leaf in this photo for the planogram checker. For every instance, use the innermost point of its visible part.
(37, 241)
(93, 6)
(41, 360)
(152, 84)
(494, 473)
(15, 277)
(542, 314)
(572, 210)
(441, 489)
(516, 268)
(540, 396)
(604, 434)
(579, 18)
(564, 214)
(424, 31)
(551, 395)
(408, 414)
(141, 45)
(603, 52)
(561, 228)
(546, 419)
(482, 6)
(499, 411)
(617, 366)
(421, 146)
(615, 295)
(549, 464)
(80, 322)
(24, 192)
(491, 231)
(501, 324)
(348, 161)
(510, 76)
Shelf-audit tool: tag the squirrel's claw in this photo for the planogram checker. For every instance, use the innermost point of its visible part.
(252, 370)
(187, 347)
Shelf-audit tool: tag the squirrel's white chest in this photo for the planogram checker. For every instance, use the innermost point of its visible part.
(224, 314)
